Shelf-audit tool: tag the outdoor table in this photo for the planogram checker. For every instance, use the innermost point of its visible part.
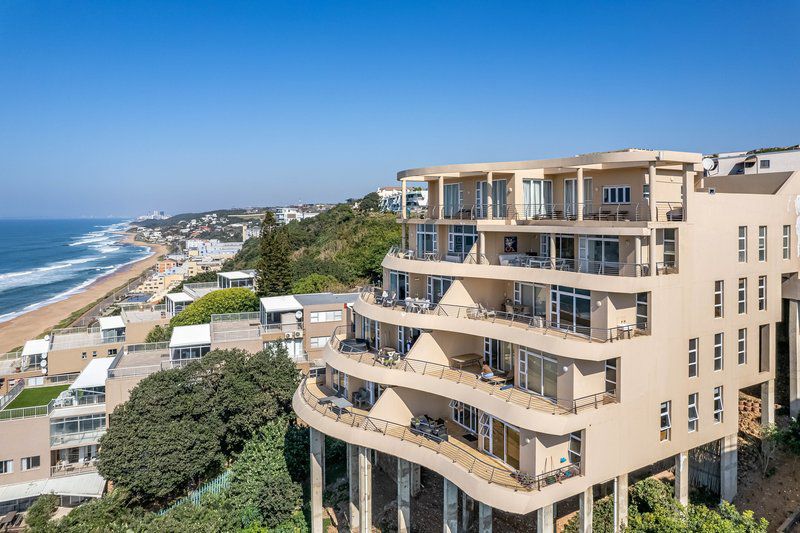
(339, 403)
(467, 359)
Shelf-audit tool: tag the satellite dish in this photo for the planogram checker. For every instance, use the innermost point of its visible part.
(44, 371)
(43, 363)
(44, 355)
(47, 337)
(299, 315)
(709, 164)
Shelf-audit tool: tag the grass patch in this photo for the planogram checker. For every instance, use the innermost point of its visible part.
(30, 397)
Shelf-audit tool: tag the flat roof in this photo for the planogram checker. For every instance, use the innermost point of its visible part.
(190, 336)
(36, 347)
(111, 322)
(277, 304)
(237, 274)
(94, 375)
(91, 485)
(323, 298)
(179, 297)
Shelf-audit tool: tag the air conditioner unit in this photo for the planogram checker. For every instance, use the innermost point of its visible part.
(288, 335)
(298, 334)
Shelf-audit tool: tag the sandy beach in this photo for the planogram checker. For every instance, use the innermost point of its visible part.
(28, 326)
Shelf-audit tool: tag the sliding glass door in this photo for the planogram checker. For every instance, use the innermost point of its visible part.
(531, 296)
(398, 284)
(499, 355)
(571, 309)
(537, 198)
(500, 440)
(453, 198)
(538, 373)
(499, 198)
(599, 254)
(437, 286)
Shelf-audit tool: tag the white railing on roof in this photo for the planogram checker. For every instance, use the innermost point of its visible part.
(133, 371)
(147, 347)
(236, 317)
(237, 335)
(11, 355)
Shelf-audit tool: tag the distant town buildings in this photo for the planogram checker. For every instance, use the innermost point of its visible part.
(284, 215)
(155, 215)
(390, 198)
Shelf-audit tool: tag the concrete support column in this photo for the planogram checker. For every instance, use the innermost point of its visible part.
(688, 188)
(552, 238)
(586, 504)
(450, 507)
(620, 502)
(466, 503)
(317, 456)
(489, 196)
(484, 518)
(481, 248)
(579, 194)
(440, 200)
(364, 490)
(403, 230)
(651, 179)
(403, 200)
(545, 519)
(682, 478)
(768, 402)
(403, 496)
(416, 480)
(728, 466)
(651, 248)
(352, 476)
(794, 353)
(637, 256)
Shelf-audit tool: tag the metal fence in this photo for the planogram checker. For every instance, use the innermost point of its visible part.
(215, 486)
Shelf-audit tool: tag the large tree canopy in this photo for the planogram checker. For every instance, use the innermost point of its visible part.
(179, 426)
(236, 300)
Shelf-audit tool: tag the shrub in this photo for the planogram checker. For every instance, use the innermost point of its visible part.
(39, 514)
(237, 300)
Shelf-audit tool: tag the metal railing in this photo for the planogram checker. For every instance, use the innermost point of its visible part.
(13, 393)
(80, 437)
(11, 355)
(73, 469)
(77, 401)
(236, 335)
(133, 371)
(24, 412)
(517, 396)
(236, 317)
(147, 347)
(468, 460)
(91, 338)
(370, 295)
(631, 212)
(63, 378)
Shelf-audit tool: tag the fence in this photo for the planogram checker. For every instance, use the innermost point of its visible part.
(13, 393)
(704, 466)
(236, 317)
(215, 486)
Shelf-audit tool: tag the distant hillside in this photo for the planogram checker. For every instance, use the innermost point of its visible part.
(174, 220)
(342, 242)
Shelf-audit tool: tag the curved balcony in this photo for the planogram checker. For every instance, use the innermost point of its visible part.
(514, 405)
(470, 469)
(578, 342)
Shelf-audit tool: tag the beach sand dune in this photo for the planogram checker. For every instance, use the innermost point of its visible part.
(28, 326)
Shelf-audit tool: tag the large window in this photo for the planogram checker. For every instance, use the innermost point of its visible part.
(537, 196)
(426, 239)
(29, 463)
(718, 351)
(464, 415)
(762, 243)
(570, 309)
(718, 406)
(190, 352)
(669, 247)
(742, 244)
(460, 239)
(762, 293)
(398, 285)
(499, 355)
(642, 310)
(742, 295)
(719, 290)
(453, 200)
(693, 415)
(538, 373)
(499, 439)
(787, 241)
(611, 376)
(532, 298)
(325, 316)
(437, 287)
(317, 342)
(77, 424)
(7, 467)
(499, 198)
(741, 345)
(693, 345)
(617, 194)
(666, 421)
(575, 447)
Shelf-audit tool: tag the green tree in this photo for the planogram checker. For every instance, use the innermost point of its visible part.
(370, 202)
(317, 283)
(274, 264)
(202, 277)
(159, 334)
(236, 300)
(39, 514)
(261, 487)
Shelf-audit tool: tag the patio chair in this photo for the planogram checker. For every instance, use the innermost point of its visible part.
(486, 313)
(389, 300)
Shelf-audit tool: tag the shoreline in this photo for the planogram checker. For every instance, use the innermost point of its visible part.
(30, 325)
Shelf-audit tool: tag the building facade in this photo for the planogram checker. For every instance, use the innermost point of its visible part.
(550, 326)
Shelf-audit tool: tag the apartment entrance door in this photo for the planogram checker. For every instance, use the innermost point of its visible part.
(570, 309)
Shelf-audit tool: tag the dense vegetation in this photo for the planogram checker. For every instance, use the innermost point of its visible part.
(652, 508)
(343, 244)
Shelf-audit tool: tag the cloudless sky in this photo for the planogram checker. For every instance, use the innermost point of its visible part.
(117, 108)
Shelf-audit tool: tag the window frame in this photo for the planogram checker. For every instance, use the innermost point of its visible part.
(719, 298)
(742, 244)
(693, 365)
(719, 351)
(719, 412)
(25, 463)
(6, 466)
(762, 293)
(742, 296)
(762, 244)
(741, 346)
(694, 417)
(617, 190)
(787, 242)
(665, 421)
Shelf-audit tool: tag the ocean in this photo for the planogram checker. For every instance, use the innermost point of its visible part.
(44, 261)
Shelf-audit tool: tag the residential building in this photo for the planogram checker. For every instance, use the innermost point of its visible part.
(284, 215)
(165, 265)
(548, 327)
(390, 199)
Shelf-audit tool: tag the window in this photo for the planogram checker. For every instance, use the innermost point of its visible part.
(7, 467)
(617, 194)
(718, 408)
(693, 358)
(641, 310)
(719, 289)
(94, 353)
(112, 351)
(318, 342)
(718, 351)
(742, 295)
(762, 293)
(29, 463)
(575, 447)
(464, 415)
(83, 355)
(693, 413)
(325, 316)
(741, 346)
(611, 376)
(669, 247)
(742, 244)
(646, 192)
(764, 163)
(666, 421)
(460, 239)
(762, 243)
(426, 239)
(787, 241)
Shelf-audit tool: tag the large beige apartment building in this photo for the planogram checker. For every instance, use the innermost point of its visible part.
(548, 327)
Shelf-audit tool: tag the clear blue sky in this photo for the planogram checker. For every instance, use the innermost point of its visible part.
(119, 107)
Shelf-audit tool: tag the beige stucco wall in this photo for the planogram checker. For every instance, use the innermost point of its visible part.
(25, 437)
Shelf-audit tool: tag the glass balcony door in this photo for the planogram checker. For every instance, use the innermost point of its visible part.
(500, 440)
(570, 309)
(538, 374)
(499, 198)
(453, 199)
(437, 287)
(570, 197)
(537, 198)
(531, 296)
(598, 254)
(398, 284)
(499, 355)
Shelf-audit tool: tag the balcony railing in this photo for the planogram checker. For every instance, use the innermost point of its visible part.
(73, 469)
(79, 437)
(147, 347)
(516, 396)
(237, 335)
(373, 295)
(236, 317)
(77, 401)
(469, 461)
(634, 212)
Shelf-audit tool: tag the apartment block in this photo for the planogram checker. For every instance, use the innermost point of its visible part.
(548, 327)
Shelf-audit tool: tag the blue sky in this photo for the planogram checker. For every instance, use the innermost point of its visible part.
(121, 107)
